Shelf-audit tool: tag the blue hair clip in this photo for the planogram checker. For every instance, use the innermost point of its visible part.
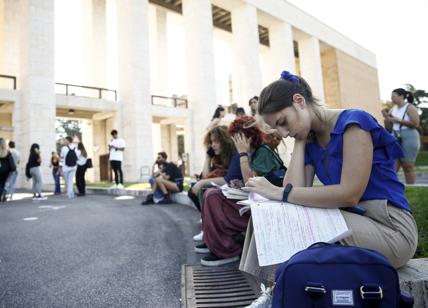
(286, 75)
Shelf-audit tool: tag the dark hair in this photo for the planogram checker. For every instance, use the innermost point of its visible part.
(240, 110)
(11, 144)
(279, 95)
(113, 132)
(163, 154)
(69, 139)
(82, 149)
(227, 146)
(405, 94)
(247, 125)
(33, 147)
(33, 155)
(254, 97)
(217, 112)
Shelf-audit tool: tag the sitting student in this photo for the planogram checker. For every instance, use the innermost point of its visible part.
(168, 180)
(334, 144)
(220, 149)
(221, 221)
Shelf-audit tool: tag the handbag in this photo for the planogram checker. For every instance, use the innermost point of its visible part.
(330, 275)
(89, 163)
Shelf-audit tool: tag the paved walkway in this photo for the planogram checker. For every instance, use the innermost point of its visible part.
(96, 251)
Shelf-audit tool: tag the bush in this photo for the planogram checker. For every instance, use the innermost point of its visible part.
(417, 197)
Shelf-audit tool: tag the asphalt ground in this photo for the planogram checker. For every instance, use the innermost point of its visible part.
(94, 251)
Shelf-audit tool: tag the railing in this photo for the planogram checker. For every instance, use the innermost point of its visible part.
(86, 91)
(175, 102)
(9, 77)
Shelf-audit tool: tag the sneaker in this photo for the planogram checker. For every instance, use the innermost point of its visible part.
(149, 200)
(198, 237)
(165, 200)
(213, 260)
(265, 300)
(119, 186)
(114, 186)
(202, 248)
(36, 198)
(41, 198)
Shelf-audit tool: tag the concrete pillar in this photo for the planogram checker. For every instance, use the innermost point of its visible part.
(281, 49)
(37, 103)
(247, 76)
(310, 65)
(94, 42)
(173, 142)
(9, 38)
(134, 86)
(162, 72)
(200, 75)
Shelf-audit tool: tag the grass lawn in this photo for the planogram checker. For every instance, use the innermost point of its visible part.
(422, 159)
(417, 197)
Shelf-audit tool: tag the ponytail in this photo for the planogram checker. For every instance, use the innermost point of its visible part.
(409, 96)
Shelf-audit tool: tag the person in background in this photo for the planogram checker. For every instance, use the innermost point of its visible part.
(219, 114)
(7, 166)
(69, 156)
(116, 147)
(33, 171)
(403, 119)
(254, 105)
(168, 180)
(55, 160)
(14, 174)
(81, 169)
(239, 112)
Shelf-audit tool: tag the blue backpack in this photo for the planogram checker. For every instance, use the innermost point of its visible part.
(326, 275)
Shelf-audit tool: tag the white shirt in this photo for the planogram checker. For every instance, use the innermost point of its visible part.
(16, 156)
(64, 151)
(398, 112)
(117, 154)
(81, 160)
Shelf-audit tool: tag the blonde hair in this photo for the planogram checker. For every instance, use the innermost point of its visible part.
(4, 149)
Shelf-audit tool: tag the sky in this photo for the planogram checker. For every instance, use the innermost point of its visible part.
(395, 30)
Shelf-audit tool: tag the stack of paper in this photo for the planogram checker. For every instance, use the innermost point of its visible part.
(282, 229)
(234, 193)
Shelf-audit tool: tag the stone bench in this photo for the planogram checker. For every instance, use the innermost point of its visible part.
(414, 279)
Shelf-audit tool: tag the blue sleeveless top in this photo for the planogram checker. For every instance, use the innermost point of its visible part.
(383, 181)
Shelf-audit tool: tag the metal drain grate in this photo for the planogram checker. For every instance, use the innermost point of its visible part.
(203, 287)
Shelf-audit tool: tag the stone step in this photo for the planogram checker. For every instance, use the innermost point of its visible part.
(414, 279)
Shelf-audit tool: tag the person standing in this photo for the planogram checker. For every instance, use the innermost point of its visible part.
(81, 169)
(404, 120)
(116, 148)
(254, 105)
(33, 171)
(69, 154)
(14, 174)
(56, 172)
(7, 165)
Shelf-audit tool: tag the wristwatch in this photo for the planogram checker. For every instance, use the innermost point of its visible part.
(243, 154)
(286, 192)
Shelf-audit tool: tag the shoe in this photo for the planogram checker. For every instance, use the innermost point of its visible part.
(213, 260)
(36, 198)
(198, 237)
(202, 248)
(41, 198)
(149, 200)
(165, 200)
(119, 186)
(80, 195)
(265, 300)
(114, 186)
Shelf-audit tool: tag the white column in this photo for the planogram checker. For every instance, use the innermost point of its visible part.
(134, 86)
(94, 42)
(37, 104)
(247, 76)
(200, 75)
(310, 65)
(162, 73)
(9, 37)
(281, 49)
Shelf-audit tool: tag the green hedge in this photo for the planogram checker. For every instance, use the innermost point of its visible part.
(422, 159)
